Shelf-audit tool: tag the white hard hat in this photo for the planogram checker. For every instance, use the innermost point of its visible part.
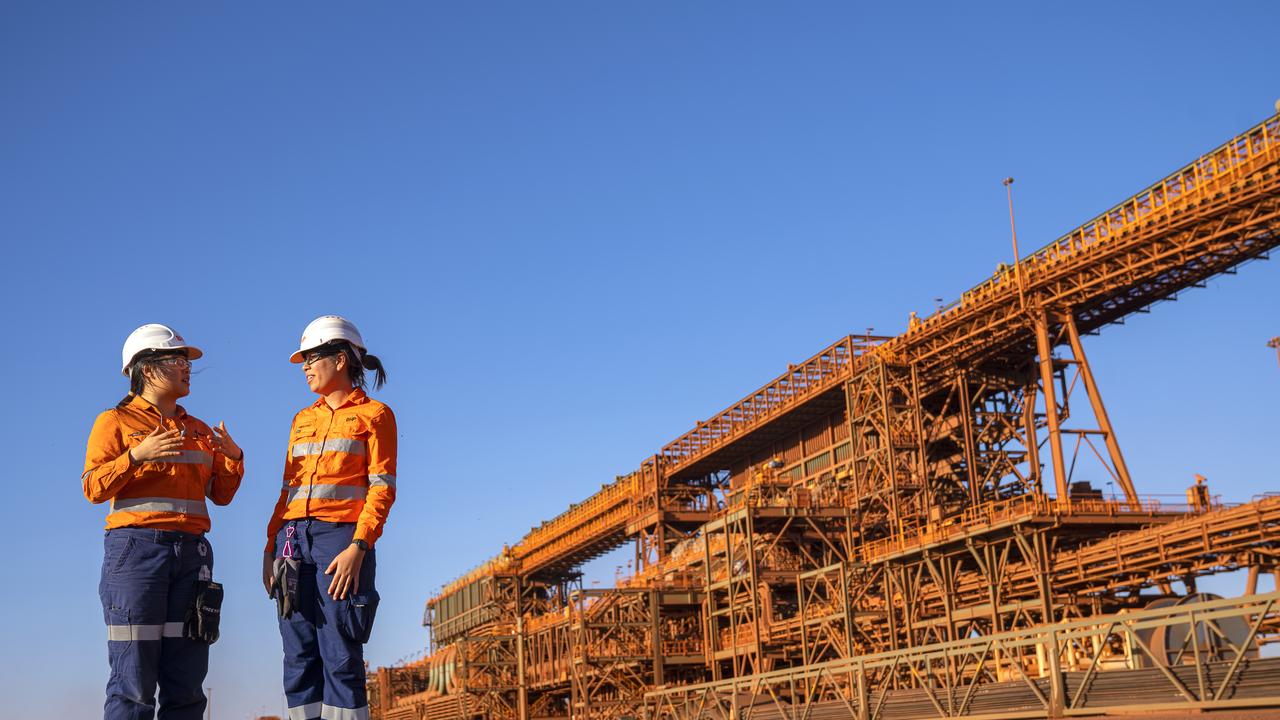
(327, 328)
(153, 336)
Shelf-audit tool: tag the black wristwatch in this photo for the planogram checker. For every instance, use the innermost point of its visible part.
(361, 544)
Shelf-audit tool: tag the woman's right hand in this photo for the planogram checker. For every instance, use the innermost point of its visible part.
(268, 574)
(160, 444)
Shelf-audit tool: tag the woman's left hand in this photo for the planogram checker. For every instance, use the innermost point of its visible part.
(226, 445)
(345, 570)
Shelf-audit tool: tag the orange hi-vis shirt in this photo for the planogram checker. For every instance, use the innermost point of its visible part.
(165, 495)
(340, 467)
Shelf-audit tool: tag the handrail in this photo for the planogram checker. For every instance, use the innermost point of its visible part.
(800, 382)
(983, 516)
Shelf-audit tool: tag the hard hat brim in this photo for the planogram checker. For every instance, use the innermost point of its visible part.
(296, 358)
(193, 353)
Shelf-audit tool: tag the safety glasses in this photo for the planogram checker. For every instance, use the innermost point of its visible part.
(174, 361)
(312, 357)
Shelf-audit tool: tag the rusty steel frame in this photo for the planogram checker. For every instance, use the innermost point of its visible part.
(1010, 674)
(897, 523)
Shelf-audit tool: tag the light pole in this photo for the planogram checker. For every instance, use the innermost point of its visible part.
(1017, 265)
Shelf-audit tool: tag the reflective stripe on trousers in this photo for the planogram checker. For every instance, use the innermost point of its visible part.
(310, 711)
(126, 633)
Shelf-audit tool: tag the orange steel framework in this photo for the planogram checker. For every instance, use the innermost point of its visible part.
(935, 524)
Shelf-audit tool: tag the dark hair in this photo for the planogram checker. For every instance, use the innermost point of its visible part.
(142, 361)
(357, 363)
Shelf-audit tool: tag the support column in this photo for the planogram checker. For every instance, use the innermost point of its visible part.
(1044, 348)
(522, 693)
(1057, 681)
(1100, 412)
(522, 686)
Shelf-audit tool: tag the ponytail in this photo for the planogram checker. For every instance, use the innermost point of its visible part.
(357, 362)
(372, 362)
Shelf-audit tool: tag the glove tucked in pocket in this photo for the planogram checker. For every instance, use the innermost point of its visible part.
(204, 613)
(285, 589)
(355, 617)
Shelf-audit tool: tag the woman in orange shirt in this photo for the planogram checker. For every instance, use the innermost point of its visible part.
(339, 485)
(157, 465)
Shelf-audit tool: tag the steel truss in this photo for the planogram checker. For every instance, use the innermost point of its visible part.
(904, 527)
(1179, 657)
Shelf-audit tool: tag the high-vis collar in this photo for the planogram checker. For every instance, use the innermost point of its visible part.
(356, 397)
(140, 403)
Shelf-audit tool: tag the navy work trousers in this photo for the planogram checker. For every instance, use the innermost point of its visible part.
(324, 639)
(148, 580)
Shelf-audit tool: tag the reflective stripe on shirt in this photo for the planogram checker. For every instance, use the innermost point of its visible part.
(190, 457)
(327, 492)
(382, 479)
(344, 445)
(160, 504)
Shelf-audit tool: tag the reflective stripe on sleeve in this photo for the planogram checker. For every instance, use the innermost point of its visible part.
(382, 480)
(160, 504)
(343, 445)
(191, 457)
(329, 712)
(304, 712)
(328, 492)
(129, 633)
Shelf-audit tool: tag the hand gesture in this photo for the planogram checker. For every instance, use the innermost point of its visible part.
(225, 444)
(160, 444)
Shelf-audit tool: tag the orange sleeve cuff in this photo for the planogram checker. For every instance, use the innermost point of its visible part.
(368, 535)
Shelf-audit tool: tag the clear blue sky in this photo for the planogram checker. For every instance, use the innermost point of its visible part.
(571, 230)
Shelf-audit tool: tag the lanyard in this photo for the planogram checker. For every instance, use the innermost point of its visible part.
(289, 532)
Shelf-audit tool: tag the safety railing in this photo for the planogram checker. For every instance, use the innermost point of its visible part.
(488, 568)
(1207, 174)
(800, 382)
(691, 646)
(981, 517)
(623, 489)
(1203, 177)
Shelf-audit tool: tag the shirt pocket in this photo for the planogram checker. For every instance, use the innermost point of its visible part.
(345, 456)
(349, 443)
(302, 441)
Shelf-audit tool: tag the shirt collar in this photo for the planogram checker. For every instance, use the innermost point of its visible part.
(144, 405)
(356, 397)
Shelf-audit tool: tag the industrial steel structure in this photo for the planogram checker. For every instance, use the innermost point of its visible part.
(935, 524)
